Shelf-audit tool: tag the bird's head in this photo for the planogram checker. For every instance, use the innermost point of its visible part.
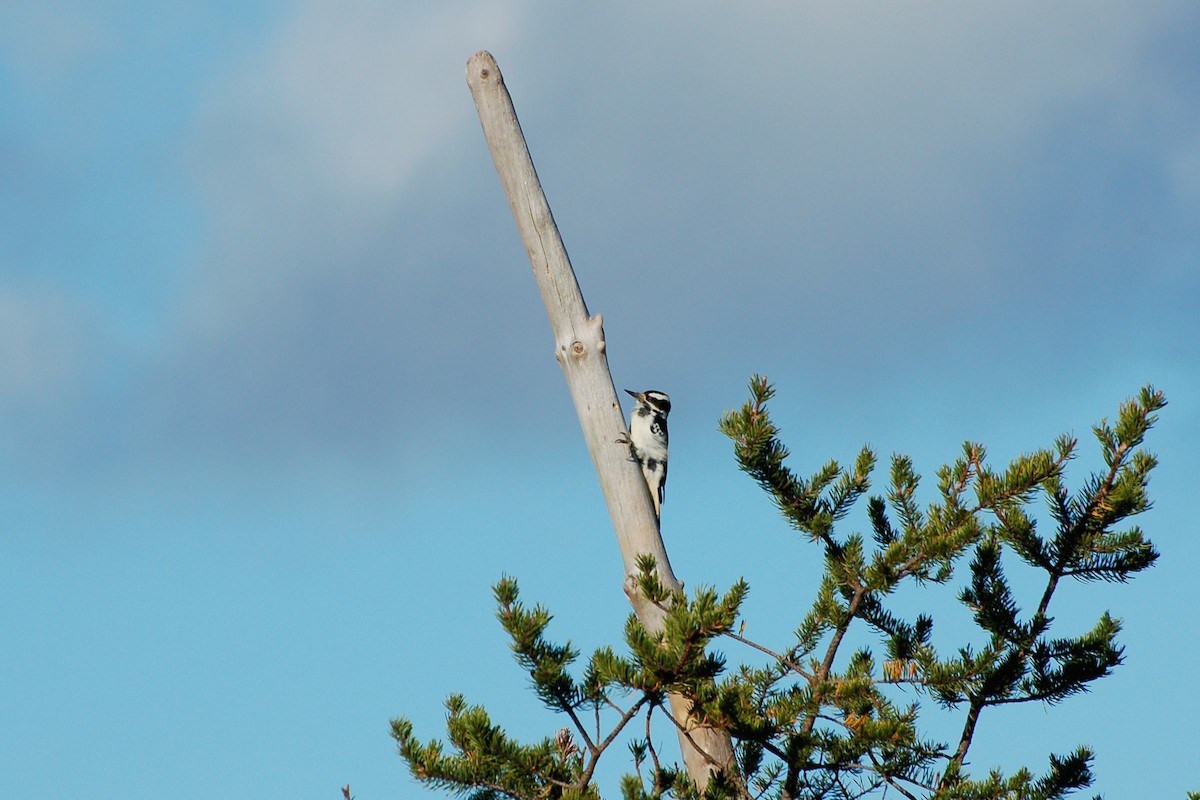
(653, 399)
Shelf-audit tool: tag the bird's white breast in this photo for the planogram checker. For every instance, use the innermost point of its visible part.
(648, 437)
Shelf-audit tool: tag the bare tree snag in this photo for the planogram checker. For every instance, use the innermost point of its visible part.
(580, 350)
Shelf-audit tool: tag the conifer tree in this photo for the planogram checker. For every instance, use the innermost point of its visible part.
(811, 718)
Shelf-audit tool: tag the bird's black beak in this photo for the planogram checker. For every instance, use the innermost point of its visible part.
(634, 394)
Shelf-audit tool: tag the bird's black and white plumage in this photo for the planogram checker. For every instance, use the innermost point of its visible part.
(648, 440)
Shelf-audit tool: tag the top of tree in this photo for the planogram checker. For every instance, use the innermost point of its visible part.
(810, 719)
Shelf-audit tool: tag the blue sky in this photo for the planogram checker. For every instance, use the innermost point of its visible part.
(277, 395)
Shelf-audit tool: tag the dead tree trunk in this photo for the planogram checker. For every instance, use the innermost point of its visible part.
(580, 350)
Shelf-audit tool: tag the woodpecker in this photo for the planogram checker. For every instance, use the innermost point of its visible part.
(648, 441)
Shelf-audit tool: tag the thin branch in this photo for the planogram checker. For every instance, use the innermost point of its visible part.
(784, 661)
(495, 787)
(891, 781)
(836, 641)
(650, 747)
(686, 734)
(586, 776)
(964, 742)
(579, 726)
(978, 703)
(909, 567)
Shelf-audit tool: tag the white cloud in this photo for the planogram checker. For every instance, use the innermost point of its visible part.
(314, 158)
(358, 94)
(304, 150)
(46, 343)
(885, 160)
(47, 42)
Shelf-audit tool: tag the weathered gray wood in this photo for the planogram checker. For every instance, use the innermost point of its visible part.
(578, 336)
(580, 350)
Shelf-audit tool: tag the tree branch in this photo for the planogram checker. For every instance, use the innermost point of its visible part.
(580, 349)
(783, 660)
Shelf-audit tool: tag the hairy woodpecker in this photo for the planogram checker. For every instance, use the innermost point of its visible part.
(648, 441)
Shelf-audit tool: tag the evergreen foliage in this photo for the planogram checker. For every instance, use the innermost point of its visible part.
(813, 720)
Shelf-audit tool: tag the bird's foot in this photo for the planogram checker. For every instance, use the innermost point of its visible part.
(625, 440)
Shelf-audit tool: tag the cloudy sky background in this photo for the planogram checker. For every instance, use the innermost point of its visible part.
(277, 394)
